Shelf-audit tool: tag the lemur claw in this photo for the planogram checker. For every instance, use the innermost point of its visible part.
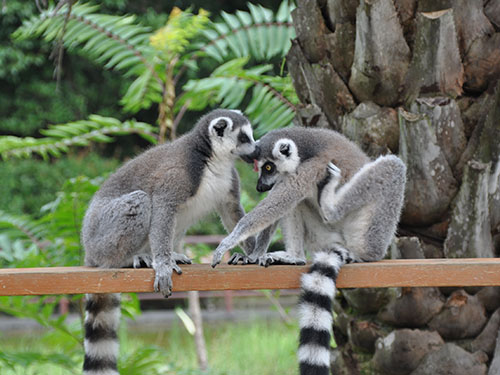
(142, 260)
(244, 259)
(333, 170)
(181, 258)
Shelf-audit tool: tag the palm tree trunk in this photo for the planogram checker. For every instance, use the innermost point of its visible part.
(417, 78)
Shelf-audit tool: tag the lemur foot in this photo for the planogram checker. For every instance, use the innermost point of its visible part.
(163, 277)
(146, 260)
(142, 260)
(280, 257)
(244, 259)
(181, 258)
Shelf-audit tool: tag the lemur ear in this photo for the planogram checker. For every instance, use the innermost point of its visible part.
(219, 125)
(285, 149)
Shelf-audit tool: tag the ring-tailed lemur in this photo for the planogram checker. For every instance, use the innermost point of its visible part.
(342, 215)
(141, 213)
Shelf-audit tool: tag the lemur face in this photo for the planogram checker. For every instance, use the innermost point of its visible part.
(284, 159)
(232, 134)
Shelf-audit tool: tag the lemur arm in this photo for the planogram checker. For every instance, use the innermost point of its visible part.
(282, 198)
(231, 211)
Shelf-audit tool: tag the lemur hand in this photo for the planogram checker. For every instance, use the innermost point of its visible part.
(163, 276)
(223, 247)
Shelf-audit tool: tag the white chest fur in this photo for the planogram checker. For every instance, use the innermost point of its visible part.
(213, 190)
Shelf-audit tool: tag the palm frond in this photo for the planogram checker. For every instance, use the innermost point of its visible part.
(259, 33)
(117, 42)
(270, 100)
(30, 228)
(79, 133)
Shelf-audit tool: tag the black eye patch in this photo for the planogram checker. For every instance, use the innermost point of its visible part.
(268, 168)
(243, 138)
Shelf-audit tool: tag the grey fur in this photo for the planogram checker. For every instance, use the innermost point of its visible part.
(368, 192)
(141, 213)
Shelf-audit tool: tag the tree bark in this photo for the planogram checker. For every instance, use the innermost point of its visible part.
(381, 55)
(436, 64)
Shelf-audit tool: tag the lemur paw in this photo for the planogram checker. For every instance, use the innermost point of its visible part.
(334, 171)
(223, 248)
(181, 258)
(163, 279)
(244, 259)
(142, 260)
(280, 257)
(163, 276)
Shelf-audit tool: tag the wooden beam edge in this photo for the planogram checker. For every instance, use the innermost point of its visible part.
(386, 273)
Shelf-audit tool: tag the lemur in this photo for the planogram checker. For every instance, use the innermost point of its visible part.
(141, 213)
(330, 198)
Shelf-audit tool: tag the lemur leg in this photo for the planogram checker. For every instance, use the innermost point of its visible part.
(116, 230)
(292, 228)
(368, 207)
(162, 241)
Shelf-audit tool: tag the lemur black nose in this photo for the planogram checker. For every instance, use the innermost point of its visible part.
(249, 158)
(261, 188)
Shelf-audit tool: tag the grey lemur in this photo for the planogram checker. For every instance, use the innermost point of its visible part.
(329, 198)
(142, 211)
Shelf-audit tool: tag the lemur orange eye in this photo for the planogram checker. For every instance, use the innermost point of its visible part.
(268, 167)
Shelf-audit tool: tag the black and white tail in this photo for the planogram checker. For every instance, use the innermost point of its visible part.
(315, 310)
(101, 334)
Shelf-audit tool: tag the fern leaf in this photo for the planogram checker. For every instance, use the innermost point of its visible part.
(258, 33)
(270, 100)
(97, 34)
(31, 229)
(59, 138)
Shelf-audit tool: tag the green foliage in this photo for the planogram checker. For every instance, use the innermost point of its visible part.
(170, 351)
(29, 184)
(120, 43)
(181, 27)
(258, 33)
(271, 103)
(78, 133)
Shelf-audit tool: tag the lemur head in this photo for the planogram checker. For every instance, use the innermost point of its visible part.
(280, 152)
(230, 133)
(281, 159)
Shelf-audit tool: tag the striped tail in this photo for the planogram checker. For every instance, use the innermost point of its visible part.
(315, 311)
(101, 337)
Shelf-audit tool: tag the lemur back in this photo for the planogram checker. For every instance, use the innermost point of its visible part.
(329, 198)
(140, 215)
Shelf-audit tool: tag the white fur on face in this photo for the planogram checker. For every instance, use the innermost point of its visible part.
(247, 148)
(286, 163)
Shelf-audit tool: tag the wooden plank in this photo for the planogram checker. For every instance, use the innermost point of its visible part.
(386, 273)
